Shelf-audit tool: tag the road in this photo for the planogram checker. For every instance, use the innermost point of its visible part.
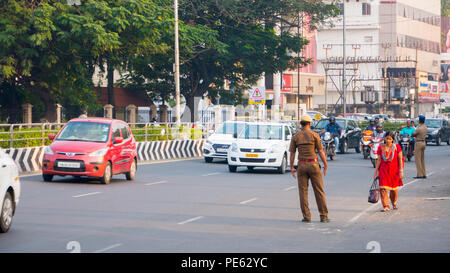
(191, 206)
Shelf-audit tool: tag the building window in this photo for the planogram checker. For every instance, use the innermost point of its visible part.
(366, 9)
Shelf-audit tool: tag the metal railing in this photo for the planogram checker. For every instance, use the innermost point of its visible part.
(36, 134)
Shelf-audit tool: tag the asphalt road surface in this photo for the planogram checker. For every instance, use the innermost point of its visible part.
(192, 206)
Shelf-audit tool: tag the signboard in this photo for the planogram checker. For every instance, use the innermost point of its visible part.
(287, 83)
(423, 81)
(445, 29)
(446, 98)
(257, 95)
(317, 116)
(429, 97)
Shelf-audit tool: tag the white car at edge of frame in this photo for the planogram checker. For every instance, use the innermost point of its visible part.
(261, 144)
(9, 190)
(217, 144)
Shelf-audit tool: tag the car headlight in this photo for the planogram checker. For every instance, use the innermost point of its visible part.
(100, 152)
(209, 142)
(234, 147)
(48, 151)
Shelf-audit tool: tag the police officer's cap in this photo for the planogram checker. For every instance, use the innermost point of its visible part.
(306, 118)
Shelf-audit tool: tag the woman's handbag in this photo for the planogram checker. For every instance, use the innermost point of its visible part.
(374, 192)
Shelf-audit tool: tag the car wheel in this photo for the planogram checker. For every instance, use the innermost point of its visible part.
(282, 168)
(250, 168)
(107, 174)
(448, 140)
(358, 149)
(6, 214)
(208, 159)
(47, 177)
(132, 173)
(438, 140)
(232, 168)
(344, 147)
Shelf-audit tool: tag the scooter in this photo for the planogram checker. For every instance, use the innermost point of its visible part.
(366, 143)
(376, 141)
(407, 148)
(329, 145)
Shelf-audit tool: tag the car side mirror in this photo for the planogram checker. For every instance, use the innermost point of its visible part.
(51, 136)
(288, 137)
(235, 135)
(118, 140)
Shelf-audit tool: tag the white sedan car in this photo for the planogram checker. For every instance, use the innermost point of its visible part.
(9, 190)
(261, 145)
(217, 144)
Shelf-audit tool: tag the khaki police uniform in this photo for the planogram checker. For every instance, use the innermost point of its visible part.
(420, 134)
(307, 142)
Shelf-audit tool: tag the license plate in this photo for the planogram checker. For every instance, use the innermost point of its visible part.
(69, 165)
(222, 150)
(251, 155)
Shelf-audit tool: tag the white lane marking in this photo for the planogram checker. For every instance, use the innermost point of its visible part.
(248, 201)
(290, 188)
(208, 174)
(81, 195)
(107, 248)
(190, 220)
(155, 183)
(438, 198)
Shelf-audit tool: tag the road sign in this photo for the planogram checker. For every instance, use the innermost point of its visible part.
(318, 116)
(257, 95)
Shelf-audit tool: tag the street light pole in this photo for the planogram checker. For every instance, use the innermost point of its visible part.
(177, 68)
(344, 85)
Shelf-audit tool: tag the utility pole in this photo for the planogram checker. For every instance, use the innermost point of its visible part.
(416, 97)
(344, 85)
(177, 69)
(326, 47)
(300, 33)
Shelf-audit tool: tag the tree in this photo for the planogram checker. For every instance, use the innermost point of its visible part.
(50, 48)
(245, 45)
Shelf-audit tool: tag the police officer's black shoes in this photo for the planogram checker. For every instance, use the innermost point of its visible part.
(419, 177)
(324, 220)
(306, 220)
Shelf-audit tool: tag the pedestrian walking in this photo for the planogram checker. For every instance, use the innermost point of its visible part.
(389, 170)
(420, 134)
(307, 142)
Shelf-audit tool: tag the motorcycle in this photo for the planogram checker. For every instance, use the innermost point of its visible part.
(407, 148)
(329, 145)
(366, 143)
(376, 141)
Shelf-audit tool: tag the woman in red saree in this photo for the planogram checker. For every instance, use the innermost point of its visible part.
(389, 169)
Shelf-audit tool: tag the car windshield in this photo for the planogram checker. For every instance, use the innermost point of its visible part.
(259, 131)
(85, 131)
(230, 128)
(433, 123)
(324, 122)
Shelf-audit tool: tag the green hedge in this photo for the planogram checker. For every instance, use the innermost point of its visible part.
(153, 134)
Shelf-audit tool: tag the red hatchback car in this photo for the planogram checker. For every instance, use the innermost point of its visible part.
(92, 147)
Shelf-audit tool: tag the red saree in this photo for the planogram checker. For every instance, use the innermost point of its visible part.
(389, 171)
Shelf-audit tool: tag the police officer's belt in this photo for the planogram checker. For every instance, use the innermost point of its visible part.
(308, 160)
(420, 140)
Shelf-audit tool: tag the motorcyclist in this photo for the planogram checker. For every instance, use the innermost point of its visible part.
(372, 126)
(408, 130)
(335, 130)
(379, 132)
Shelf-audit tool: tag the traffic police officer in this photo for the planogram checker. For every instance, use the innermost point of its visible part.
(307, 143)
(420, 134)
